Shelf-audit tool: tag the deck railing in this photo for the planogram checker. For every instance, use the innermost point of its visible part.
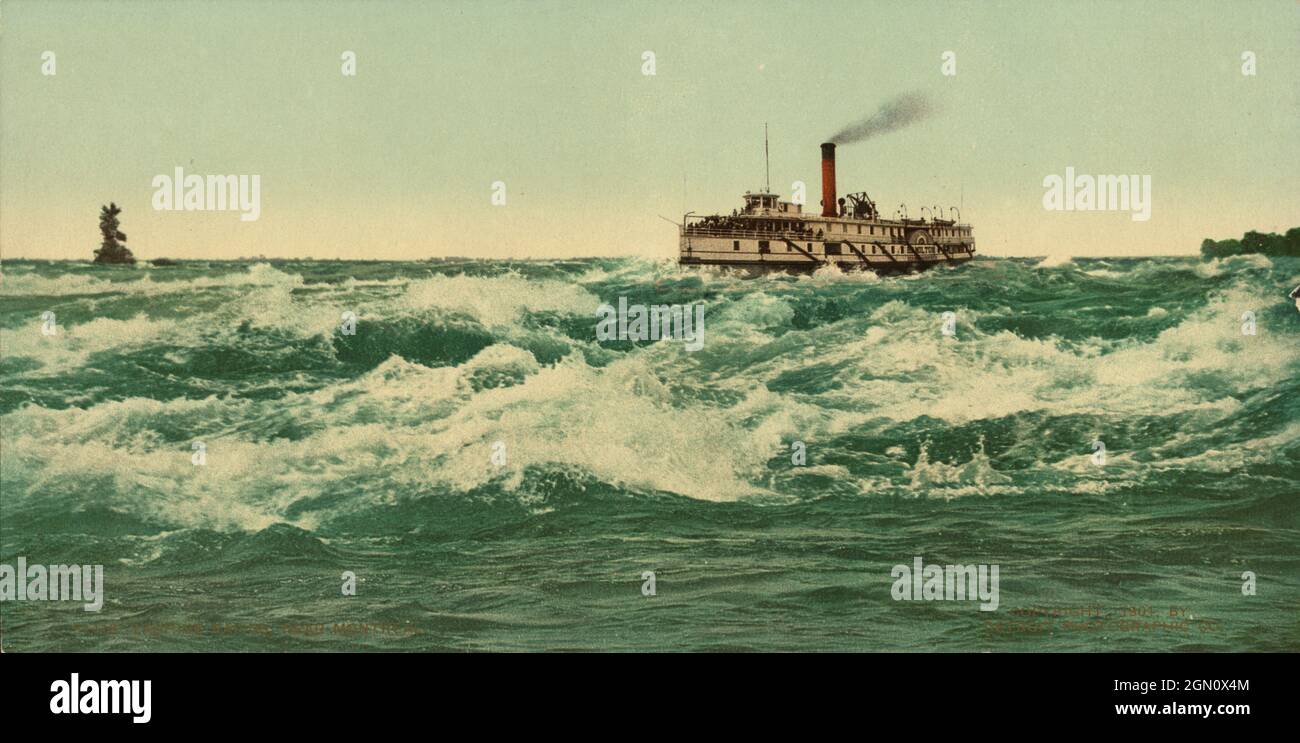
(693, 231)
(750, 234)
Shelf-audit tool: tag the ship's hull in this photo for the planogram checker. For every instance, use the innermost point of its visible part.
(779, 254)
(756, 268)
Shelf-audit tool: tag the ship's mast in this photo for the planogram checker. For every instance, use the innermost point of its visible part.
(767, 163)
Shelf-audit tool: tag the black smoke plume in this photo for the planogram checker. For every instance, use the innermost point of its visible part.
(906, 109)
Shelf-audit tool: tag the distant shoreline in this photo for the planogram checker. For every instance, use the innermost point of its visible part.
(1268, 244)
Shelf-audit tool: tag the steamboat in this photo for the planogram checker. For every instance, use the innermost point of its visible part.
(769, 235)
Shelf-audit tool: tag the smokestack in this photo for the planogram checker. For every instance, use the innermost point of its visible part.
(828, 180)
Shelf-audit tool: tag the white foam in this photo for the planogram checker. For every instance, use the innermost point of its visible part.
(405, 430)
(1055, 261)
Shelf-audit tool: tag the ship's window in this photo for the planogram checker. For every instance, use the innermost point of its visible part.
(832, 248)
(788, 248)
(763, 246)
(809, 247)
(735, 245)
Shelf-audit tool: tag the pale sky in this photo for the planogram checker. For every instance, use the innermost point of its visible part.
(550, 98)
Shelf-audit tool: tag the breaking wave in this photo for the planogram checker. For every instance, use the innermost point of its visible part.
(304, 424)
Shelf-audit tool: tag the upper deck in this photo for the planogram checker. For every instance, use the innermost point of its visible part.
(764, 215)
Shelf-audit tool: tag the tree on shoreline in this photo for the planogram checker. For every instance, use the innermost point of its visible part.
(111, 250)
(1271, 244)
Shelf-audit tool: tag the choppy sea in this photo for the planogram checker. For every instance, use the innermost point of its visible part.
(1107, 432)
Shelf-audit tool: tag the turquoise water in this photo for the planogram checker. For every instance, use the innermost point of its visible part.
(372, 453)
